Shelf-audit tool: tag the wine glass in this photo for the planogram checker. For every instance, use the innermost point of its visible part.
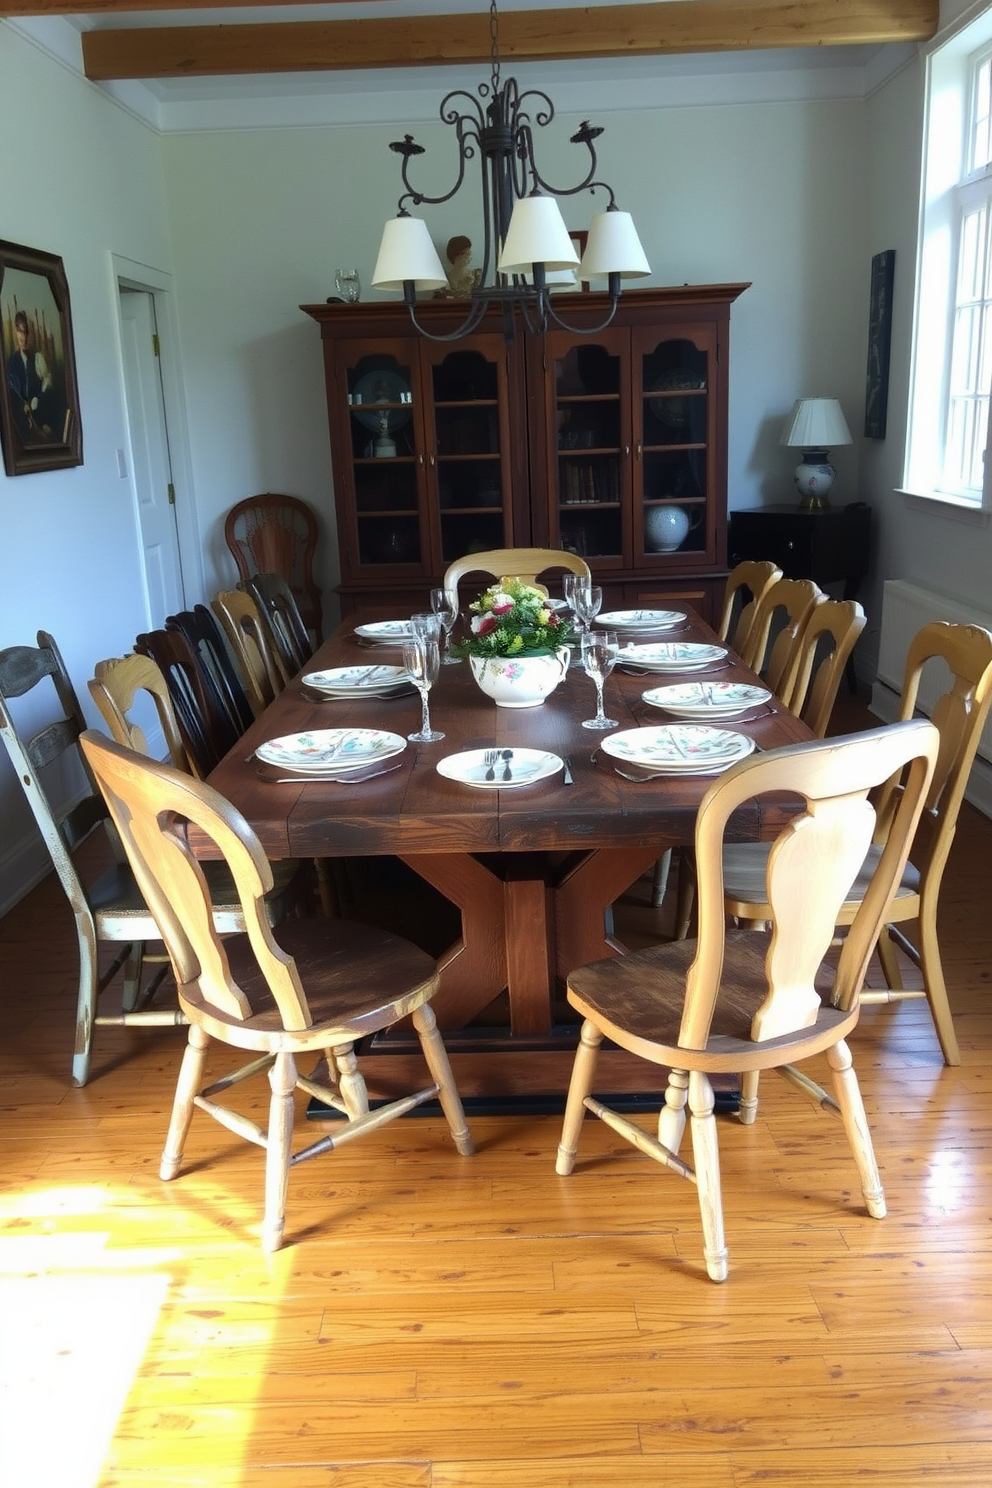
(599, 654)
(422, 661)
(587, 601)
(427, 624)
(569, 583)
(446, 609)
(348, 286)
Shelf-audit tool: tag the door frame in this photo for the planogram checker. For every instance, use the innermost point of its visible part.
(127, 274)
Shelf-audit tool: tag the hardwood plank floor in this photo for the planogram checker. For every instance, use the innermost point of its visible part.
(440, 1322)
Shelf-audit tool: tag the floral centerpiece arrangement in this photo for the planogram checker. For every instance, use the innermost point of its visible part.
(512, 618)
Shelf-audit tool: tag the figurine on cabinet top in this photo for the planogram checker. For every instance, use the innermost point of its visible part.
(462, 278)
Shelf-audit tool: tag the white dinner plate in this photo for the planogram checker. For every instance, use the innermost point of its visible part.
(326, 750)
(679, 748)
(347, 680)
(385, 630)
(706, 700)
(527, 767)
(640, 619)
(670, 656)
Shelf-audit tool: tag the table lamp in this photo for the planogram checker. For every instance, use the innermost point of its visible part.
(815, 425)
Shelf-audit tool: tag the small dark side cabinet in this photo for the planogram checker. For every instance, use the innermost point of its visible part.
(830, 545)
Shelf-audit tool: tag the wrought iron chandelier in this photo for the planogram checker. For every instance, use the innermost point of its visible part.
(527, 246)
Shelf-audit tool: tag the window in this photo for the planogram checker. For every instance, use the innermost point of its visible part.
(952, 357)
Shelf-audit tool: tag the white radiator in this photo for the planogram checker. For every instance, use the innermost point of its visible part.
(906, 608)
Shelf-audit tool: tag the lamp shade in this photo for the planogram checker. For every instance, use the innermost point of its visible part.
(816, 424)
(536, 234)
(613, 247)
(407, 252)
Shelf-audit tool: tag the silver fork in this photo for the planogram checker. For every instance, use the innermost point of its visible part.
(489, 760)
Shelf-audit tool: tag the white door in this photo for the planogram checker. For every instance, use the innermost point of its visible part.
(151, 467)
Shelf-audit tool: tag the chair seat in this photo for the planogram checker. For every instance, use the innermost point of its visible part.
(359, 979)
(638, 1001)
(117, 903)
(745, 865)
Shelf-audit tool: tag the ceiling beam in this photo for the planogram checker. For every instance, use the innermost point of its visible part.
(675, 26)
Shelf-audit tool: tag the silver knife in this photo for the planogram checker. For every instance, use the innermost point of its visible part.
(566, 778)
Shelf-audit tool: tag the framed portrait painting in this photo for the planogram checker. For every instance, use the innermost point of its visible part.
(39, 399)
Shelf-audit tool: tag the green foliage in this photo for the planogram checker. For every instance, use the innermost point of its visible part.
(513, 619)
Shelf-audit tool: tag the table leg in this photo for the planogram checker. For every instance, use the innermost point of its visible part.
(473, 971)
(581, 900)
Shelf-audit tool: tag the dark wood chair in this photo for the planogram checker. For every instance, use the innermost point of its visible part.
(205, 727)
(207, 641)
(282, 618)
(316, 987)
(278, 534)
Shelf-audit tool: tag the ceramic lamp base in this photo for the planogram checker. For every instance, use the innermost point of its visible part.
(814, 475)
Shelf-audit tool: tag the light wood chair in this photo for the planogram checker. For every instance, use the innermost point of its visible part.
(282, 619)
(960, 714)
(772, 643)
(278, 534)
(106, 906)
(746, 584)
(736, 1002)
(248, 636)
(517, 563)
(318, 988)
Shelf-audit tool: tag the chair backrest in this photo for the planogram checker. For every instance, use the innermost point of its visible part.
(151, 803)
(823, 648)
(780, 616)
(281, 617)
(278, 534)
(56, 743)
(115, 686)
(206, 729)
(746, 584)
(207, 641)
(248, 635)
(810, 869)
(960, 714)
(517, 563)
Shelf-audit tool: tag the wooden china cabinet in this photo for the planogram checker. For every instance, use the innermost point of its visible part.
(586, 442)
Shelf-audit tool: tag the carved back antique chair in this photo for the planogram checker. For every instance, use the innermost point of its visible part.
(315, 987)
(205, 725)
(771, 648)
(278, 534)
(116, 687)
(281, 617)
(739, 1002)
(960, 714)
(518, 563)
(106, 903)
(242, 623)
(746, 584)
(207, 642)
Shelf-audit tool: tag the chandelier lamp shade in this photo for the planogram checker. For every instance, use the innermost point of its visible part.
(526, 246)
(815, 425)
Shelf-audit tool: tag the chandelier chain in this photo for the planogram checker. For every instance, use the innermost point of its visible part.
(494, 45)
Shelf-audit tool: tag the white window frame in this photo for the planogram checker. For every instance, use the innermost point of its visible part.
(948, 188)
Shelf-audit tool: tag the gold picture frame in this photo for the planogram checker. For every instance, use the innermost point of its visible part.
(40, 428)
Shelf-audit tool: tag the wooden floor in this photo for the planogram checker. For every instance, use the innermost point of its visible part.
(447, 1322)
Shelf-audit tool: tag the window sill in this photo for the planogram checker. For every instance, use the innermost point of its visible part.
(947, 506)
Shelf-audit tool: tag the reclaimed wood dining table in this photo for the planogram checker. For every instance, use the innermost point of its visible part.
(533, 870)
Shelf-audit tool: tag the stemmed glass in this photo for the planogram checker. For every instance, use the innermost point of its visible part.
(347, 284)
(446, 608)
(422, 660)
(587, 601)
(599, 655)
(427, 624)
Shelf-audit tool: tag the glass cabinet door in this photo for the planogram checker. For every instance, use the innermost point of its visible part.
(385, 459)
(468, 442)
(591, 444)
(675, 444)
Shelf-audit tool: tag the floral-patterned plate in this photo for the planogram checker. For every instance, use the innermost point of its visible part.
(386, 630)
(325, 750)
(670, 656)
(706, 699)
(640, 619)
(680, 748)
(357, 679)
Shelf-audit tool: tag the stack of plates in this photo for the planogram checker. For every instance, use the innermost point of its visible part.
(360, 681)
(670, 656)
(635, 620)
(393, 632)
(330, 751)
(706, 699)
(680, 749)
